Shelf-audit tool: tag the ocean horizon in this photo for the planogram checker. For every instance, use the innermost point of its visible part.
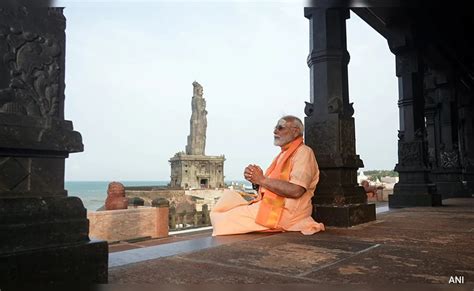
(94, 193)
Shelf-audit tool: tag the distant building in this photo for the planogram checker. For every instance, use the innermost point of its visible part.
(361, 177)
(193, 169)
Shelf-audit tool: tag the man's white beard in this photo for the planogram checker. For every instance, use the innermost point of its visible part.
(281, 141)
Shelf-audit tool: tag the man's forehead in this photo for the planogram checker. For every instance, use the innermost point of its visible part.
(281, 121)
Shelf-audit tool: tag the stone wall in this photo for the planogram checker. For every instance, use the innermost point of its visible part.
(115, 225)
(148, 196)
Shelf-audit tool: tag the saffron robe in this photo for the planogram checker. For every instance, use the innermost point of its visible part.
(232, 214)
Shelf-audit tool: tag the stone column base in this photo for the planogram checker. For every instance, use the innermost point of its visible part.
(413, 195)
(414, 200)
(452, 190)
(85, 262)
(470, 188)
(345, 215)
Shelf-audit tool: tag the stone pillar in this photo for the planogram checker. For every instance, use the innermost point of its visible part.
(44, 233)
(329, 125)
(447, 172)
(162, 216)
(432, 136)
(414, 187)
(172, 217)
(205, 219)
(466, 136)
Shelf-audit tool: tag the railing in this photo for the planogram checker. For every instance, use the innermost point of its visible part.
(187, 220)
(178, 221)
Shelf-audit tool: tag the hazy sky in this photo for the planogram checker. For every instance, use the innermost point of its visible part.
(130, 68)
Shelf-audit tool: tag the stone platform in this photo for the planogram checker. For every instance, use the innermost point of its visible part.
(425, 245)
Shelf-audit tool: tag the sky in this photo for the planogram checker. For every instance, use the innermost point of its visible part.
(130, 67)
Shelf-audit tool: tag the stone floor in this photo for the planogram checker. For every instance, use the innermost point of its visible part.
(410, 245)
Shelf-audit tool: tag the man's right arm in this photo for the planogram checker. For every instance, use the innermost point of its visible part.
(254, 174)
(283, 188)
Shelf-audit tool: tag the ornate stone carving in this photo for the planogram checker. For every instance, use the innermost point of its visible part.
(449, 159)
(57, 14)
(409, 153)
(347, 136)
(431, 156)
(116, 197)
(350, 110)
(33, 61)
(308, 109)
(12, 173)
(401, 135)
(335, 105)
(198, 123)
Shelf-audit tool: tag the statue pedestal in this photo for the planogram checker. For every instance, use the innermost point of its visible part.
(413, 195)
(46, 240)
(345, 215)
(449, 184)
(66, 263)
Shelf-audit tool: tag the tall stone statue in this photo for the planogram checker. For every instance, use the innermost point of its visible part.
(194, 169)
(198, 123)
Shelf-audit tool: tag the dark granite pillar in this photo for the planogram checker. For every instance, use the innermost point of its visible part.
(432, 136)
(43, 232)
(414, 187)
(466, 136)
(329, 125)
(447, 172)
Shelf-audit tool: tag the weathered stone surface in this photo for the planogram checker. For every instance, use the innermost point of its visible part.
(44, 233)
(125, 224)
(190, 171)
(85, 262)
(116, 197)
(412, 245)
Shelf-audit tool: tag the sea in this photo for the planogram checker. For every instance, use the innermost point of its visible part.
(94, 193)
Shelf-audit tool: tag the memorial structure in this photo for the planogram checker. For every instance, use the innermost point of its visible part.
(192, 168)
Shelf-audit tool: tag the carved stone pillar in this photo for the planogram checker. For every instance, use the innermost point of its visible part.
(466, 137)
(414, 187)
(432, 136)
(329, 125)
(43, 232)
(447, 171)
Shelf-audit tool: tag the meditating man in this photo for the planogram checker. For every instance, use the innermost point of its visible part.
(285, 190)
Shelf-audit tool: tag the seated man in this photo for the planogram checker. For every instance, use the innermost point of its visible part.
(285, 190)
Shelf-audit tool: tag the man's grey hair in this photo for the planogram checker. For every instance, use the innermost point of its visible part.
(296, 122)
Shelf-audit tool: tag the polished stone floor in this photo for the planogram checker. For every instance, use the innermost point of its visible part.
(410, 245)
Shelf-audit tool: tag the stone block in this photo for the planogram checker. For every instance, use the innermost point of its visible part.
(126, 224)
(345, 215)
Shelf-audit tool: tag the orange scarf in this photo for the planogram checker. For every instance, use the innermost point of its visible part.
(271, 206)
